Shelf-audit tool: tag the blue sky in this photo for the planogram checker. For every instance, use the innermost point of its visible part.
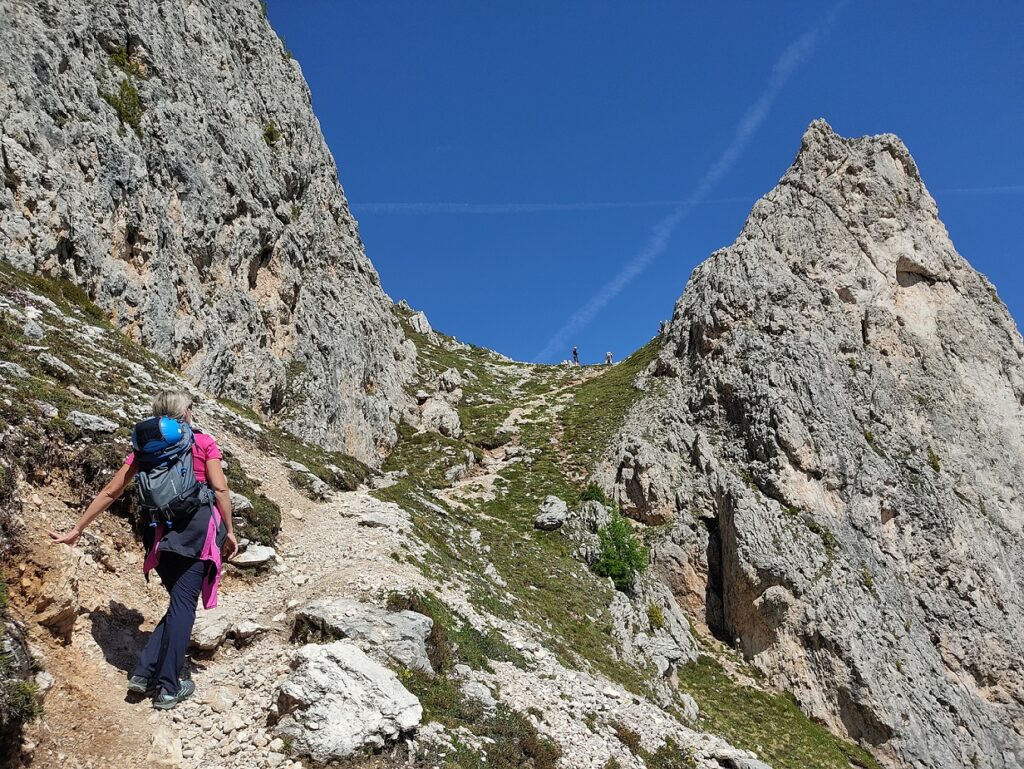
(479, 143)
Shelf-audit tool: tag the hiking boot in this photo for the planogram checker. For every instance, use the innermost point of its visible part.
(165, 701)
(140, 685)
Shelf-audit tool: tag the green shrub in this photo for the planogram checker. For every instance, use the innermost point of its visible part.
(21, 700)
(933, 460)
(271, 134)
(593, 493)
(621, 556)
(628, 737)
(127, 104)
(655, 616)
(120, 59)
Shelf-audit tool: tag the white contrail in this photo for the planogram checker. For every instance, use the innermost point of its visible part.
(447, 207)
(794, 55)
(521, 208)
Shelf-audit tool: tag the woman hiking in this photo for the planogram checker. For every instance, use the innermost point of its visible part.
(189, 533)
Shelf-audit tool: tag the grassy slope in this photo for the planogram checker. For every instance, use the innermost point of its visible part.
(538, 567)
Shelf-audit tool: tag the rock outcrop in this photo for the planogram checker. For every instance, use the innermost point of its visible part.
(165, 157)
(338, 701)
(836, 440)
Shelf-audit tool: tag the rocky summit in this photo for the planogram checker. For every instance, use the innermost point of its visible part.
(784, 534)
(832, 431)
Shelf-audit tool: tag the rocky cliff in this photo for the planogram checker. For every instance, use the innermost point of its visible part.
(165, 156)
(832, 436)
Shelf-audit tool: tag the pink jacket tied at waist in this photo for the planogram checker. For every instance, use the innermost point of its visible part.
(210, 553)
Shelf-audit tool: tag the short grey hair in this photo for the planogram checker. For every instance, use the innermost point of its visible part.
(171, 403)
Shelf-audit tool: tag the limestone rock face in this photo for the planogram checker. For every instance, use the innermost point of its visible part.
(165, 157)
(837, 443)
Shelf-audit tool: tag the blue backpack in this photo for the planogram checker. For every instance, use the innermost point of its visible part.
(168, 489)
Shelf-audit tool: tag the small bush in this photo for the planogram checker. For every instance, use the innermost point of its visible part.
(127, 104)
(621, 556)
(593, 493)
(120, 59)
(271, 134)
(933, 460)
(656, 617)
(629, 738)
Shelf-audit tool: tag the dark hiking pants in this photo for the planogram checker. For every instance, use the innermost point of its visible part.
(164, 653)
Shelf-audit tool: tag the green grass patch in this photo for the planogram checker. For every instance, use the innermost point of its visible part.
(263, 519)
(599, 408)
(127, 104)
(453, 639)
(768, 723)
(339, 471)
(510, 739)
(271, 134)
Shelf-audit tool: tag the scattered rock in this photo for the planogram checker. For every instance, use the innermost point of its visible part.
(474, 690)
(449, 381)
(254, 555)
(48, 410)
(553, 512)
(337, 701)
(419, 323)
(211, 628)
(33, 330)
(13, 369)
(165, 750)
(240, 502)
(375, 521)
(91, 422)
(56, 366)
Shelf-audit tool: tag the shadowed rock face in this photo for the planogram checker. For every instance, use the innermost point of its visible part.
(207, 219)
(834, 431)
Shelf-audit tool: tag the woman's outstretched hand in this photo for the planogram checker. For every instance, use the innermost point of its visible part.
(229, 548)
(65, 539)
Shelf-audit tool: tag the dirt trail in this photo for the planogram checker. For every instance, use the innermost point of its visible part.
(90, 721)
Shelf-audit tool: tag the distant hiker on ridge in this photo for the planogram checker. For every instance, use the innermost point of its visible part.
(187, 506)
(575, 357)
(607, 359)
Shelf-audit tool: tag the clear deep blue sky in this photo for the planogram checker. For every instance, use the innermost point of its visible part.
(560, 104)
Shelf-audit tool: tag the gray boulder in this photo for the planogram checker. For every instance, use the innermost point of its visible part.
(254, 555)
(338, 702)
(553, 512)
(395, 637)
(56, 366)
(91, 422)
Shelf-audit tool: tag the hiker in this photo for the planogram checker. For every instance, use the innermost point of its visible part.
(607, 359)
(575, 357)
(188, 533)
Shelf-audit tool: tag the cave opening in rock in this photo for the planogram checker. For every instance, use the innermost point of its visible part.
(714, 596)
